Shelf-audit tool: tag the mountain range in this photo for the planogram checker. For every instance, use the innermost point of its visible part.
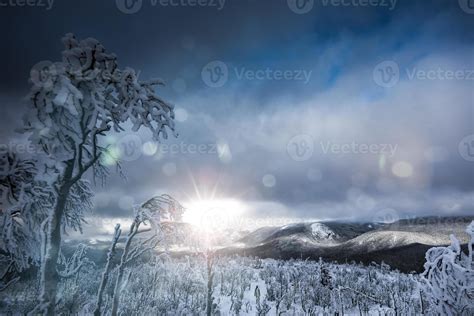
(401, 244)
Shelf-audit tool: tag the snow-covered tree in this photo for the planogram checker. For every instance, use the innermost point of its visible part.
(24, 205)
(147, 222)
(210, 282)
(154, 218)
(77, 102)
(449, 277)
(325, 275)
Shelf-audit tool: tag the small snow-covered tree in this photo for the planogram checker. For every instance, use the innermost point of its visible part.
(325, 275)
(71, 267)
(210, 274)
(261, 307)
(449, 277)
(24, 205)
(78, 101)
(147, 222)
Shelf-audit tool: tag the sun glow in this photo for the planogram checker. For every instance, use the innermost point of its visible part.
(212, 215)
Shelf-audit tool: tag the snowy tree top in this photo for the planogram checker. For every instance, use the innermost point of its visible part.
(85, 95)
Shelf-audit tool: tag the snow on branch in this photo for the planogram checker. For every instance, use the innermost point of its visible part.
(149, 214)
(8, 276)
(449, 277)
(24, 205)
(72, 265)
(86, 95)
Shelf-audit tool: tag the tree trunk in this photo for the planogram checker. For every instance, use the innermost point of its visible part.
(121, 269)
(105, 275)
(210, 276)
(421, 303)
(49, 274)
(470, 253)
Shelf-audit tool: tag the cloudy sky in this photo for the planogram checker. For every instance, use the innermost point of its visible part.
(296, 111)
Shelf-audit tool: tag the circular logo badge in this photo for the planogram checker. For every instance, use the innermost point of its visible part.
(466, 148)
(129, 6)
(215, 74)
(467, 6)
(387, 216)
(129, 147)
(387, 74)
(301, 6)
(44, 74)
(300, 147)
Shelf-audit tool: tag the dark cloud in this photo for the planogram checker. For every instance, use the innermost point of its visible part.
(255, 119)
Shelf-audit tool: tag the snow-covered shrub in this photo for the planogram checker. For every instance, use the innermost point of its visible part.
(148, 222)
(449, 277)
(167, 285)
(24, 205)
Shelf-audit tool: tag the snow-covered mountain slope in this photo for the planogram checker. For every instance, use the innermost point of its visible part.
(322, 232)
(258, 236)
(319, 233)
(435, 226)
(402, 244)
(383, 240)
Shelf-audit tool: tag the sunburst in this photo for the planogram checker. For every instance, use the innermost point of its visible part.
(210, 209)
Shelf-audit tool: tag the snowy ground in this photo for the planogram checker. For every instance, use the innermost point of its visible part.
(165, 286)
